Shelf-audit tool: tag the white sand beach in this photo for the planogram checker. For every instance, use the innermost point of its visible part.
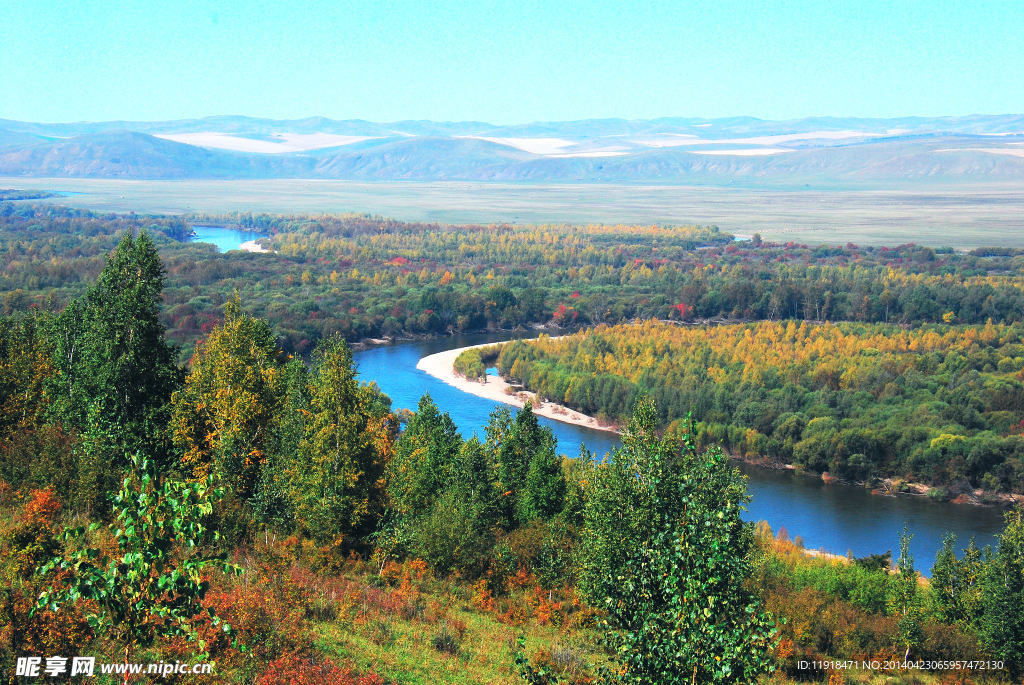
(252, 246)
(440, 366)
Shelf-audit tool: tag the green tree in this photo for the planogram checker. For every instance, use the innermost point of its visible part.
(154, 586)
(904, 601)
(271, 503)
(1002, 625)
(115, 371)
(336, 479)
(529, 472)
(453, 535)
(666, 554)
(474, 479)
(543, 494)
(26, 367)
(224, 420)
(424, 461)
(956, 584)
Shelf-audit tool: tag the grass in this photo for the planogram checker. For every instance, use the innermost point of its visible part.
(438, 636)
(979, 214)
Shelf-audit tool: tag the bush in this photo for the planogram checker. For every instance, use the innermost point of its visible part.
(452, 538)
(446, 641)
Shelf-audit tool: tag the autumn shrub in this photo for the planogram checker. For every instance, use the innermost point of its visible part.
(26, 544)
(818, 626)
(42, 457)
(32, 539)
(502, 567)
(305, 670)
(526, 541)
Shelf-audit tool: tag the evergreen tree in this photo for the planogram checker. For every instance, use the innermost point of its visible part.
(666, 554)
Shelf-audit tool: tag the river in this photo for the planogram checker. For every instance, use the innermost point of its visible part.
(224, 238)
(836, 518)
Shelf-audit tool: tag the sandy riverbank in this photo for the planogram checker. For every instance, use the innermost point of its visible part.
(252, 246)
(440, 366)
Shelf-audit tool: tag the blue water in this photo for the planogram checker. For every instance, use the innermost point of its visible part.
(224, 238)
(393, 367)
(836, 518)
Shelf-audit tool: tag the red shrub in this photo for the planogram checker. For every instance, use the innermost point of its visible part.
(296, 670)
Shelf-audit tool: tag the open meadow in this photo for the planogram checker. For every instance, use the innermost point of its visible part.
(962, 217)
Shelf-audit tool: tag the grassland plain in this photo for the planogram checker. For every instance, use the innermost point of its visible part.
(940, 214)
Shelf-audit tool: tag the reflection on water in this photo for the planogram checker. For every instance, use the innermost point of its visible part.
(224, 238)
(841, 518)
(835, 517)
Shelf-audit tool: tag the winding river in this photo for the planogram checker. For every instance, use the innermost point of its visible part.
(836, 518)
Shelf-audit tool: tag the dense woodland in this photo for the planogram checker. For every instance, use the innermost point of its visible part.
(363, 277)
(938, 404)
(276, 516)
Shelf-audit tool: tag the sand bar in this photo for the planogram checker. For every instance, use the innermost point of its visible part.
(440, 366)
(252, 246)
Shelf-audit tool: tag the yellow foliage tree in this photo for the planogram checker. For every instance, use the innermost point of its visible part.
(223, 421)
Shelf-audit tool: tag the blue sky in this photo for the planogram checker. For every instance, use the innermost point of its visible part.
(508, 62)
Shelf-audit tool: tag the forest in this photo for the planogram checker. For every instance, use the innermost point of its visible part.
(937, 404)
(276, 518)
(366, 277)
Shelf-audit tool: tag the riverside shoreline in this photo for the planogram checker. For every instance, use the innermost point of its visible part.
(252, 246)
(440, 367)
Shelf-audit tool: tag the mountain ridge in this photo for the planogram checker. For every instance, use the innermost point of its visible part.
(670, 150)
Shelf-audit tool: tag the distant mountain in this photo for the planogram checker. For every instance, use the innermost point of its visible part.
(127, 154)
(743, 150)
(9, 138)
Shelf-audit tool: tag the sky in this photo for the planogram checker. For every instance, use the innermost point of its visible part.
(508, 62)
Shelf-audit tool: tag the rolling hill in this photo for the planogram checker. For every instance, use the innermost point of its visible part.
(825, 152)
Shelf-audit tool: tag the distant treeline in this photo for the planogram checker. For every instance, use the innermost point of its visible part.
(360, 276)
(939, 404)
